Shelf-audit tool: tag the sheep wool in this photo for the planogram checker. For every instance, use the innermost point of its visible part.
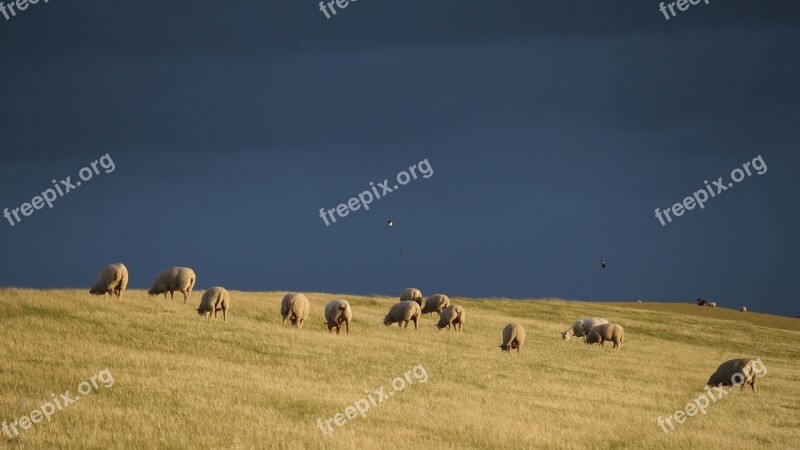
(436, 303)
(338, 312)
(411, 295)
(402, 313)
(452, 315)
(112, 279)
(606, 332)
(214, 300)
(180, 279)
(513, 337)
(295, 308)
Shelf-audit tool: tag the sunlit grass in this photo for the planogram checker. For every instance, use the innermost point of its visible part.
(183, 381)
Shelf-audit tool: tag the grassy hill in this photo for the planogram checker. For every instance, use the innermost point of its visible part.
(181, 381)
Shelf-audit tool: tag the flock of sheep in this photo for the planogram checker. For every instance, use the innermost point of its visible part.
(710, 304)
(295, 307)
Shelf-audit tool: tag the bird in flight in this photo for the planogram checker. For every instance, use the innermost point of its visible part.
(603, 263)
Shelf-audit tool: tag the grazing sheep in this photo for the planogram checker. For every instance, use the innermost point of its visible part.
(295, 307)
(215, 299)
(739, 372)
(436, 303)
(113, 279)
(701, 302)
(638, 301)
(582, 327)
(411, 295)
(336, 313)
(452, 315)
(711, 304)
(402, 313)
(606, 332)
(513, 337)
(743, 309)
(180, 279)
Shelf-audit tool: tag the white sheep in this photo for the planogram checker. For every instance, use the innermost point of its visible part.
(582, 327)
(606, 332)
(113, 279)
(215, 299)
(295, 307)
(338, 312)
(452, 315)
(411, 295)
(711, 304)
(743, 309)
(402, 313)
(513, 337)
(180, 279)
(436, 303)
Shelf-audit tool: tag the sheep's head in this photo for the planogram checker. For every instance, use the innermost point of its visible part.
(566, 334)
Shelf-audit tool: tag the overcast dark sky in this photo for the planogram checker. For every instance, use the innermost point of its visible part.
(554, 130)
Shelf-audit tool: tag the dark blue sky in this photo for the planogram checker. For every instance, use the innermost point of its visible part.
(554, 131)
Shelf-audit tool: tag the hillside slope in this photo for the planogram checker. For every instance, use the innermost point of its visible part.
(181, 381)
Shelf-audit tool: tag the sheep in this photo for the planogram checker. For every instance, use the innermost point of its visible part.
(402, 313)
(112, 279)
(215, 299)
(174, 279)
(606, 332)
(336, 313)
(452, 315)
(295, 307)
(701, 302)
(411, 294)
(582, 327)
(711, 304)
(513, 337)
(739, 372)
(436, 303)
(743, 309)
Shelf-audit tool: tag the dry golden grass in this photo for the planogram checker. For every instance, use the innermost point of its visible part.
(183, 382)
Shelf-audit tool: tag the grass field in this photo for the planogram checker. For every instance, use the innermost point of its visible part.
(183, 382)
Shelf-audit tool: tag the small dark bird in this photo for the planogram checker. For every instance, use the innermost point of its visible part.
(402, 253)
(390, 222)
(603, 263)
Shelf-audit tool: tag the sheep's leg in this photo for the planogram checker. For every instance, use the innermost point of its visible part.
(225, 316)
(415, 323)
(299, 323)
(347, 327)
(186, 297)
